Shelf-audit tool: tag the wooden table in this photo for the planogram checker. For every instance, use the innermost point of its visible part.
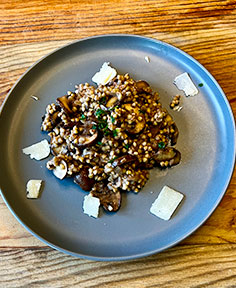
(206, 30)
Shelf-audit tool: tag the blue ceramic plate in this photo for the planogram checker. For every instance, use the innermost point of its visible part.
(206, 142)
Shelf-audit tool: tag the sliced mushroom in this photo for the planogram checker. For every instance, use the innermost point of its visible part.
(169, 120)
(113, 101)
(85, 138)
(138, 125)
(174, 136)
(176, 159)
(109, 199)
(60, 170)
(143, 86)
(55, 119)
(128, 107)
(169, 154)
(155, 129)
(65, 104)
(164, 154)
(83, 180)
(124, 160)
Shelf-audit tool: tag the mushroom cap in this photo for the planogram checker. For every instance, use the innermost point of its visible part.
(109, 199)
(59, 171)
(83, 180)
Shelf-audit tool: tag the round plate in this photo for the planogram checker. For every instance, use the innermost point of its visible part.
(206, 143)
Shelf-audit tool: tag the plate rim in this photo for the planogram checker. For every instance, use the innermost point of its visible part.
(220, 196)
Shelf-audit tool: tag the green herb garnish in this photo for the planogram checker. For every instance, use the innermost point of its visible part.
(112, 160)
(115, 133)
(106, 132)
(99, 143)
(200, 84)
(82, 117)
(94, 127)
(112, 119)
(113, 108)
(103, 100)
(102, 125)
(161, 145)
(99, 112)
(126, 146)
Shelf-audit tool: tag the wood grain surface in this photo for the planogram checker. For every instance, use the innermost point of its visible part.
(182, 266)
(204, 29)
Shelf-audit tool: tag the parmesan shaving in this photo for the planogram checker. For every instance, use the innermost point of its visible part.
(91, 205)
(185, 83)
(166, 203)
(33, 188)
(38, 150)
(106, 74)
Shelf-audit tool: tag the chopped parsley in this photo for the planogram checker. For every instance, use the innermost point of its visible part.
(99, 112)
(106, 132)
(115, 133)
(200, 84)
(102, 124)
(161, 145)
(126, 146)
(100, 143)
(112, 160)
(94, 127)
(103, 100)
(82, 117)
(113, 108)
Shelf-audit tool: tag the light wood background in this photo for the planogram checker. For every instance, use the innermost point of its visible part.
(206, 29)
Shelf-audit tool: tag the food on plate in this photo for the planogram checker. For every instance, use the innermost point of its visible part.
(91, 205)
(33, 188)
(35, 97)
(59, 167)
(38, 150)
(108, 137)
(105, 74)
(185, 83)
(174, 104)
(166, 203)
(147, 59)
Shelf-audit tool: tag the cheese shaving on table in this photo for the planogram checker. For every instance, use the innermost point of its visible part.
(91, 205)
(106, 74)
(166, 203)
(184, 83)
(33, 188)
(38, 150)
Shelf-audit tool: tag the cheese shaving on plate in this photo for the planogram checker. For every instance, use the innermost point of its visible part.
(38, 150)
(106, 74)
(91, 205)
(185, 83)
(33, 188)
(166, 203)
